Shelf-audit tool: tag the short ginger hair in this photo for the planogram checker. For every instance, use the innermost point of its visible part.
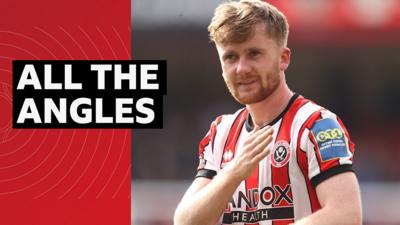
(234, 22)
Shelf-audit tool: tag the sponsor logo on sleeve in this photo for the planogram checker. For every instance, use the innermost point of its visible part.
(330, 139)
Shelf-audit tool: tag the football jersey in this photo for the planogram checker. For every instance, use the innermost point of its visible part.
(310, 144)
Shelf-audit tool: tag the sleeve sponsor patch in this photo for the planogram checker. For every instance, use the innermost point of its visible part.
(330, 139)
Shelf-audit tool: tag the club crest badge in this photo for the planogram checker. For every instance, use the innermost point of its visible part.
(280, 154)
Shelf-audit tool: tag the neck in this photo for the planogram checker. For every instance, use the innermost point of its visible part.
(265, 111)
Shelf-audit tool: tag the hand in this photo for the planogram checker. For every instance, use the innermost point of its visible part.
(251, 153)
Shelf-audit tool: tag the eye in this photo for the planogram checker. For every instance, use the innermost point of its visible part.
(254, 53)
(229, 57)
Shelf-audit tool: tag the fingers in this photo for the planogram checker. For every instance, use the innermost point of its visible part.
(264, 153)
(252, 152)
(260, 147)
(254, 134)
(259, 137)
(257, 143)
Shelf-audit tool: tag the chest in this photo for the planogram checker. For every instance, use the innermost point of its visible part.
(282, 148)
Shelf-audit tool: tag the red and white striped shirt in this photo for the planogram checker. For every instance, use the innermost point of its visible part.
(310, 144)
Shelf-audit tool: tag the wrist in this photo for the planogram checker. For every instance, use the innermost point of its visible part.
(231, 174)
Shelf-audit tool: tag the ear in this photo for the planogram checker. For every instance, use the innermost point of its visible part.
(285, 59)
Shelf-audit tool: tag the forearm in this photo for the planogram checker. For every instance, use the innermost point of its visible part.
(207, 205)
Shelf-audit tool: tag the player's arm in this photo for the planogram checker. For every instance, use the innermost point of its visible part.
(205, 200)
(330, 158)
(340, 201)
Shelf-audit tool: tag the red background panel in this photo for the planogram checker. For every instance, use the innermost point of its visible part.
(62, 176)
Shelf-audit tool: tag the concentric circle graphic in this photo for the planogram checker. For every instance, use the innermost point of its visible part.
(6, 118)
(61, 163)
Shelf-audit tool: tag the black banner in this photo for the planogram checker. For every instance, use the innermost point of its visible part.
(258, 215)
(88, 93)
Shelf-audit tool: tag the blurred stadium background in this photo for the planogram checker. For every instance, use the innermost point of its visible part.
(345, 56)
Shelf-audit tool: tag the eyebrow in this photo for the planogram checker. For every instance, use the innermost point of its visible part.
(229, 52)
(256, 49)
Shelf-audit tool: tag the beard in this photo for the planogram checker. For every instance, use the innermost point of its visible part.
(254, 88)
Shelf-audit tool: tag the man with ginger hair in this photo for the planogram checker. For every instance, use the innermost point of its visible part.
(282, 159)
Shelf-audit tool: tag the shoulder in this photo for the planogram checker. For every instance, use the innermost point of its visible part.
(320, 118)
(325, 142)
(318, 124)
(313, 114)
(220, 125)
(225, 120)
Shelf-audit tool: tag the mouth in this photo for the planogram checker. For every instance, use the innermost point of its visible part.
(246, 82)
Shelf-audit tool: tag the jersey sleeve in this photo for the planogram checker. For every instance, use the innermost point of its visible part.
(207, 165)
(329, 148)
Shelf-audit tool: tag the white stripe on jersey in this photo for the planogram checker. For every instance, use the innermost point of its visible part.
(265, 171)
(215, 152)
(313, 168)
(299, 186)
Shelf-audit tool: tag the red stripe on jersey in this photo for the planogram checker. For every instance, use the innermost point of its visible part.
(302, 161)
(252, 192)
(209, 136)
(230, 144)
(229, 152)
(280, 175)
(309, 123)
(287, 120)
(233, 136)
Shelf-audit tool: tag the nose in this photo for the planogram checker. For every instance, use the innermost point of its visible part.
(243, 66)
